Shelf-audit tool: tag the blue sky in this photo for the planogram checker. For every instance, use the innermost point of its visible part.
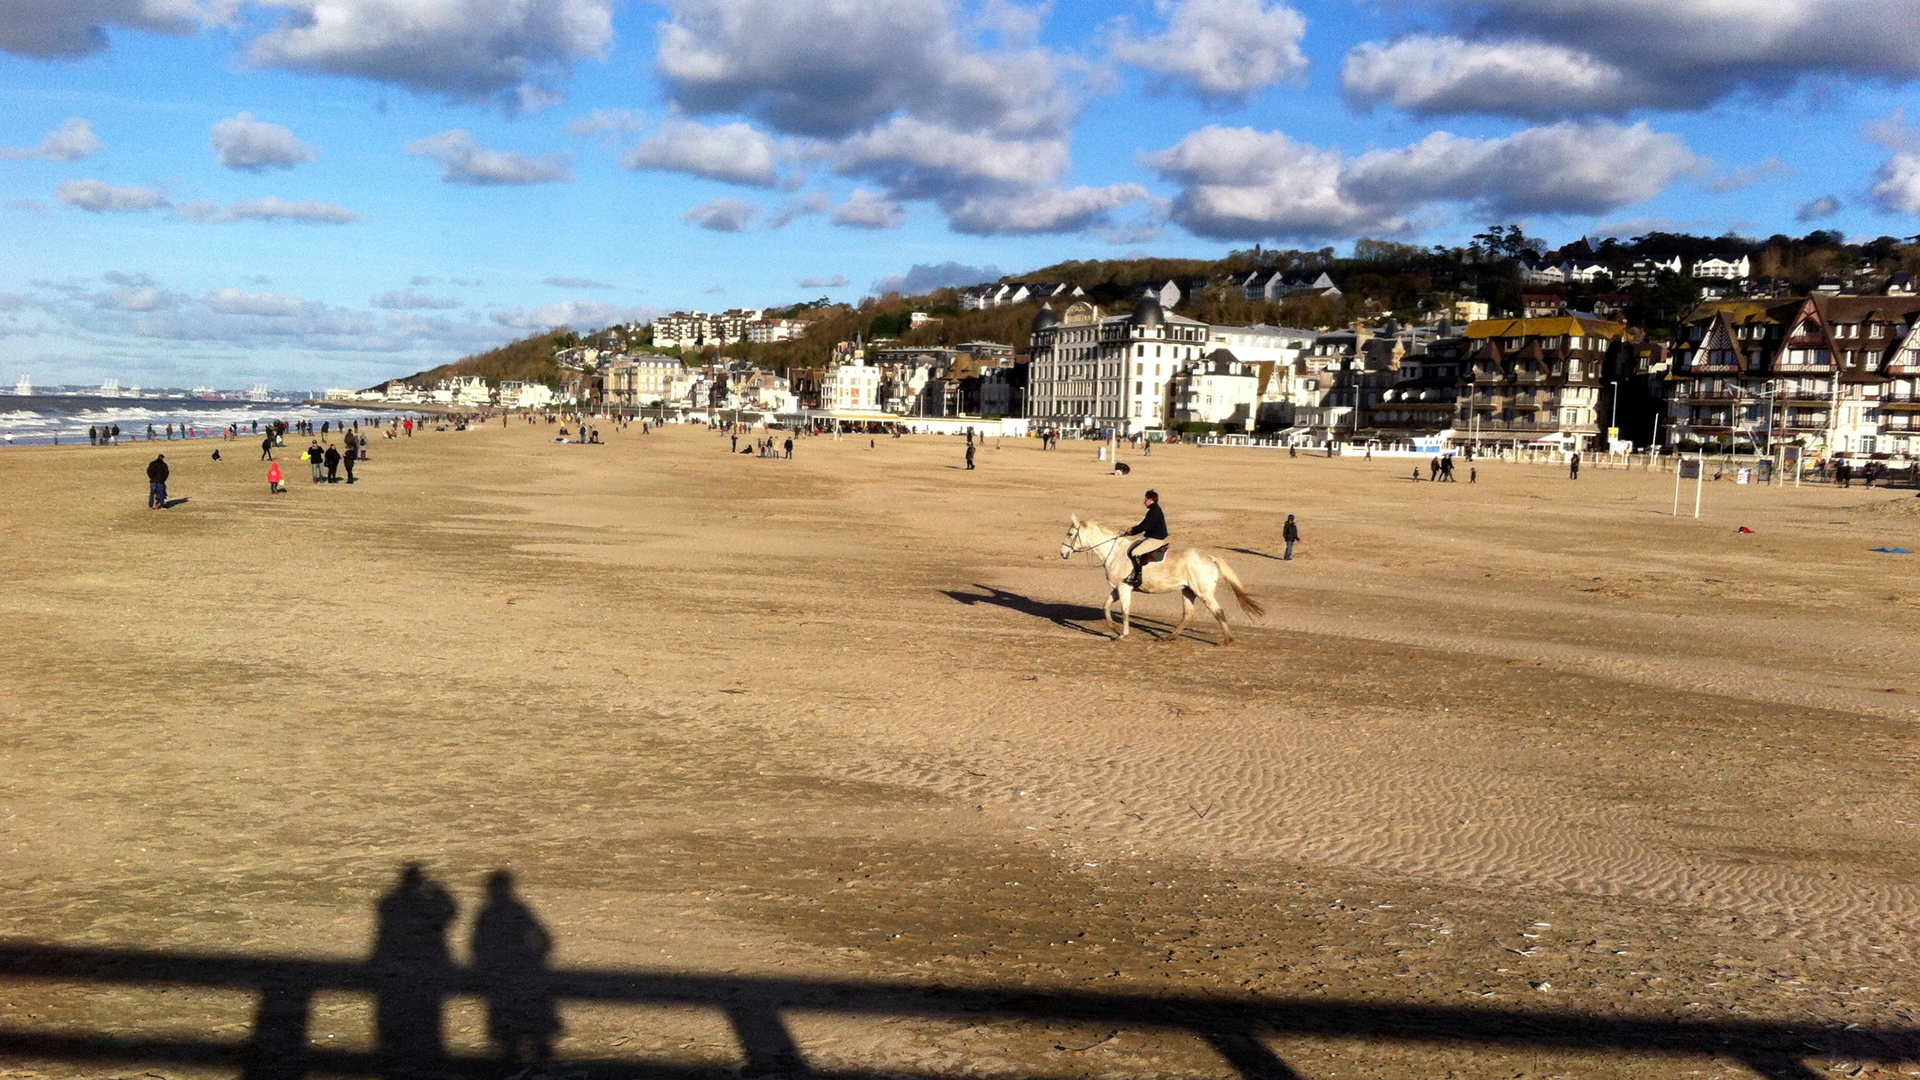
(331, 192)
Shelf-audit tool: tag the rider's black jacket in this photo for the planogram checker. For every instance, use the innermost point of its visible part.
(1153, 526)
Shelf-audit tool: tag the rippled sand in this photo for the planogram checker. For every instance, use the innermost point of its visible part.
(1527, 744)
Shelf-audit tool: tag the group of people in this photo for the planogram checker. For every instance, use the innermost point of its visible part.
(1440, 470)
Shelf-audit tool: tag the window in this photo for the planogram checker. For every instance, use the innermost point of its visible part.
(1873, 330)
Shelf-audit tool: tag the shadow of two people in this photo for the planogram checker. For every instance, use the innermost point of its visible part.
(413, 970)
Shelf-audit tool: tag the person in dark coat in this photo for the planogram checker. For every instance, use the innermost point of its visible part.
(1573, 466)
(266, 447)
(969, 450)
(317, 458)
(157, 473)
(1290, 532)
(352, 455)
(333, 464)
(1152, 532)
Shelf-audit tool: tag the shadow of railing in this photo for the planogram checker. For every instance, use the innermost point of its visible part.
(279, 1047)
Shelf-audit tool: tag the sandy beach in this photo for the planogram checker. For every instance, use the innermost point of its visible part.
(1525, 746)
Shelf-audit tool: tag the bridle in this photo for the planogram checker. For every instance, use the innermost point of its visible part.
(1092, 547)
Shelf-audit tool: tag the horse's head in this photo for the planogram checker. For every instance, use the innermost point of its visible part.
(1072, 543)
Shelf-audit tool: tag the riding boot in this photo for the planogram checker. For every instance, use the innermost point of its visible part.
(1139, 568)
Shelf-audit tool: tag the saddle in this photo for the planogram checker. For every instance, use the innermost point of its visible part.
(1157, 555)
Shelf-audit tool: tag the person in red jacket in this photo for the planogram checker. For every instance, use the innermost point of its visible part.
(273, 479)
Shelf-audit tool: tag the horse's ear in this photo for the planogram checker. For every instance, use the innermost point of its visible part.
(1076, 521)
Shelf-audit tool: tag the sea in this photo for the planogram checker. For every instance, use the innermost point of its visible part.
(41, 419)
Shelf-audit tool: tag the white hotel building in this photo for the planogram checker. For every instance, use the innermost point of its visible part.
(1111, 371)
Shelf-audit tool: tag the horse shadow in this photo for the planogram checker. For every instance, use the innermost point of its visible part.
(1070, 616)
(1255, 554)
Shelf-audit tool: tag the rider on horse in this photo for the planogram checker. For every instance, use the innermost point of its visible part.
(1152, 531)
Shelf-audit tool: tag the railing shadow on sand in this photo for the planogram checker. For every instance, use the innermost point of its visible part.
(411, 977)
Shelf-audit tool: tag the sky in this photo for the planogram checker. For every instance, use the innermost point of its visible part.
(319, 193)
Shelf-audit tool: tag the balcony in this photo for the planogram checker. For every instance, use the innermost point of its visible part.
(1901, 404)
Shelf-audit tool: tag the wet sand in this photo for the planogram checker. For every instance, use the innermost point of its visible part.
(1526, 745)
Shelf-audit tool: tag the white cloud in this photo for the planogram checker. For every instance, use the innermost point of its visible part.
(1033, 212)
(270, 305)
(65, 29)
(735, 153)
(606, 122)
(464, 162)
(135, 298)
(926, 277)
(813, 202)
(241, 142)
(575, 283)
(1897, 181)
(100, 197)
(722, 215)
(837, 281)
(866, 210)
(832, 69)
(271, 208)
(73, 140)
(1238, 183)
(579, 314)
(1771, 168)
(1221, 50)
(1447, 75)
(1679, 54)
(1558, 169)
(462, 50)
(918, 160)
(408, 300)
(1814, 209)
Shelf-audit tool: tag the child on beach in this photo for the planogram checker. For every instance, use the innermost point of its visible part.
(273, 479)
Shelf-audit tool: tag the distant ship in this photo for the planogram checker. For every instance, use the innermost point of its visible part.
(258, 393)
(24, 387)
(110, 388)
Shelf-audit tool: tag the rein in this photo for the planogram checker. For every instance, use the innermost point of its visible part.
(1101, 544)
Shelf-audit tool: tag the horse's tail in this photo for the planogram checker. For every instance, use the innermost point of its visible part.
(1246, 600)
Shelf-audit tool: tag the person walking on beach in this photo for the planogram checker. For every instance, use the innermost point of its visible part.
(157, 473)
(317, 459)
(788, 447)
(969, 450)
(274, 478)
(332, 458)
(1573, 466)
(266, 447)
(93, 436)
(352, 455)
(1289, 532)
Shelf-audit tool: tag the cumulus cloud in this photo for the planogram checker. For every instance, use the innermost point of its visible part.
(66, 29)
(813, 202)
(271, 305)
(409, 300)
(1221, 50)
(606, 122)
(829, 70)
(735, 153)
(1448, 75)
(1558, 169)
(581, 314)
(460, 50)
(866, 210)
(73, 140)
(919, 160)
(1238, 183)
(143, 297)
(464, 162)
(1815, 209)
(1896, 186)
(926, 277)
(1618, 55)
(723, 215)
(1029, 213)
(837, 281)
(241, 142)
(100, 197)
(271, 208)
(575, 283)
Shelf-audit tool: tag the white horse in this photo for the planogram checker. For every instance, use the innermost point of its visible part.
(1194, 573)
